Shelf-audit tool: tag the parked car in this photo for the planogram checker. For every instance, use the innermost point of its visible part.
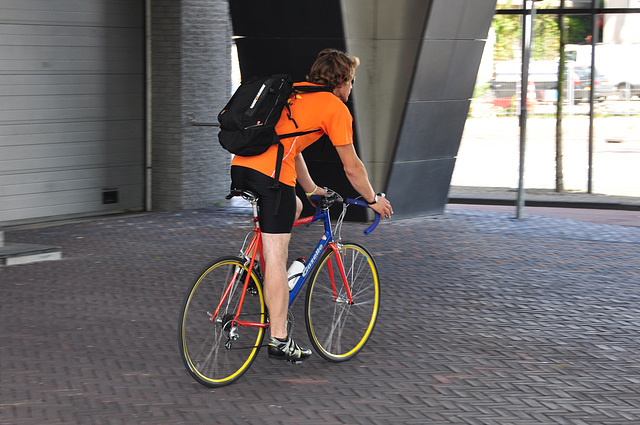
(602, 86)
(619, 62)
(506, 82)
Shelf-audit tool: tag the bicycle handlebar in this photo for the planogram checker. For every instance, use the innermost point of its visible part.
(334, 197)
(376, 218)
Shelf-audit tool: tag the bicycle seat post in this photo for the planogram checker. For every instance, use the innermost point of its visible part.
(253, 200)
(254, 208)
(250, 197)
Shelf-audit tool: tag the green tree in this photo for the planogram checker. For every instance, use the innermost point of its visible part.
(508, 30)
(508, 34)
(546, 38)
(578, 28)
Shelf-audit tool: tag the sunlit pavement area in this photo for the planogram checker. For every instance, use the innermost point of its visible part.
(485, 319)
(490, 149)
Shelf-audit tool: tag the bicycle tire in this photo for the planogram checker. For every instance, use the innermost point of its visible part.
(337, 329)
(208, 353)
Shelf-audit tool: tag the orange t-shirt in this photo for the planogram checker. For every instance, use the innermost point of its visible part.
(322, 110)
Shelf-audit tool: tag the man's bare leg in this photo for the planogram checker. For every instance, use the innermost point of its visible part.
(298, 207)
(275, 249)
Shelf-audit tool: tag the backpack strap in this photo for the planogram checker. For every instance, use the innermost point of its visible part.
(276, 177)
(277, 139)
(311, 89)
(279, 158)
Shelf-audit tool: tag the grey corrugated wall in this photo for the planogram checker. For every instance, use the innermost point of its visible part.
(71, 108)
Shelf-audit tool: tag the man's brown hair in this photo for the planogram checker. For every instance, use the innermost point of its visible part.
(333, 68)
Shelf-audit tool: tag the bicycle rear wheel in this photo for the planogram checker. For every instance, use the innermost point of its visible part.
(215, 351)
(337, 328)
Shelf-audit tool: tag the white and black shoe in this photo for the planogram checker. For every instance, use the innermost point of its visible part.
(287, 350)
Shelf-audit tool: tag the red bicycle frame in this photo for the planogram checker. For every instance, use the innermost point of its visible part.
(255, 246)
(326, 242)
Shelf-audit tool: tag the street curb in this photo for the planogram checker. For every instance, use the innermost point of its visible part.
(548, 203)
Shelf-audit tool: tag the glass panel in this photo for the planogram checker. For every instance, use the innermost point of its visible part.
(488, 156)
(509, 4)
(619, 3)
(586, 4)
(569, 4)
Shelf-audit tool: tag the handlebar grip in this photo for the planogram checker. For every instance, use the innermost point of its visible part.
(371, 228)
(376, 219)
(316, 200)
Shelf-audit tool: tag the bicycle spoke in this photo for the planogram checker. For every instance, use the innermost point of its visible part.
(215, 351)
(337, 328)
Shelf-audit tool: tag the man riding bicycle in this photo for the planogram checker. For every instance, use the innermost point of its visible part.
(327, 112)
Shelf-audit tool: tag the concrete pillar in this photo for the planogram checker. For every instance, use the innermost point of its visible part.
(419, 60)
(436, 106)
(191, 68)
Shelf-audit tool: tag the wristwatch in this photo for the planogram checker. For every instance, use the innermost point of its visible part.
(375, 200)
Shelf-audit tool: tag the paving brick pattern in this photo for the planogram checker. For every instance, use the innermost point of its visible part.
(485, 320)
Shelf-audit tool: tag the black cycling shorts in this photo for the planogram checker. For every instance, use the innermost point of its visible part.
(271, 221)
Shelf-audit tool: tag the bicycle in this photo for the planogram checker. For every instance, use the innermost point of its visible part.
(224, 317)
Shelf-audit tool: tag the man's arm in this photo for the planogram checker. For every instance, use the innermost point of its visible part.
(359, 179)
(304, 178)
(356, 172)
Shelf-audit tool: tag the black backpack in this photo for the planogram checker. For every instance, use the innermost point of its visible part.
(247, 122)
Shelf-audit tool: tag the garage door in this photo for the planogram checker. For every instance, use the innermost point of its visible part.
(71, 108)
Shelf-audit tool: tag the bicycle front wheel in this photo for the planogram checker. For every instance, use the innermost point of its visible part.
(216, 350)
(338, 328)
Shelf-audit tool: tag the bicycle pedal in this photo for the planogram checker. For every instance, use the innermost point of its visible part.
(283, 360)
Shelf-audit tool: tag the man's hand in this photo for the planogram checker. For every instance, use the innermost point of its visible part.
(321, 191)
(382, 207)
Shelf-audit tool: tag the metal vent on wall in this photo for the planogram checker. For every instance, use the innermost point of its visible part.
(110, 196)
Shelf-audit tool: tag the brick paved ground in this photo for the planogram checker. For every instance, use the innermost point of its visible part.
(485, 320)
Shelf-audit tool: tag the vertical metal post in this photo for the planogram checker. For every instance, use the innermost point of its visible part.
(594, 40)
(527, 36)
(148, 109)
